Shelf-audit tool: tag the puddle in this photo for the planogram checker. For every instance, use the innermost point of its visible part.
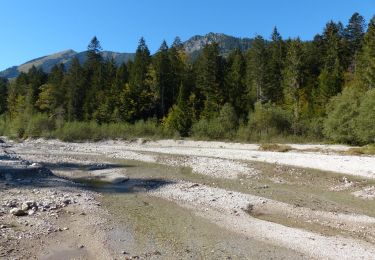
(65, 254)
(145, 225)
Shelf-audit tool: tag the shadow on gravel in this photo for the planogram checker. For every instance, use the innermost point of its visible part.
(21, 174)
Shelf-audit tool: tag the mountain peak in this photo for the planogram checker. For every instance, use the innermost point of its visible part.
(193, 47)
(226, 43)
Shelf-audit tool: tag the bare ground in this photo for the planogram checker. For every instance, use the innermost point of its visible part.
(310, 202)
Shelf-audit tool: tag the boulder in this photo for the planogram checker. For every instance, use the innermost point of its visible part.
(17, 212)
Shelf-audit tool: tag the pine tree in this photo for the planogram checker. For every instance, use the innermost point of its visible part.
(93, 50)
(178, 59)
(257, 71)
(274, 90)
(36, 78)
(74, 84)
(293, 76)
(354, 33)
(210, 79)
(331, 76)
(3, 95)
(138, 97)
(164, 84)
(366, 61)
(235, 82)
(57, 92)
(179, 117)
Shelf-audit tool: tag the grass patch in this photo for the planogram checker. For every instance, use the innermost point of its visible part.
(365, 150)
(275, 148)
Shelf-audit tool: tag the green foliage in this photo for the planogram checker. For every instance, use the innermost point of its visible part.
(277, 90)
(342, 112)
(275, 148)
(3, 95)
(210, 79)
(221, 127)
(366, 60)
(269, 119)
(365, 129)
(39, 125)
(235, 82)
(274, 91)
(257, 71)
(293, 77)
(82, 131)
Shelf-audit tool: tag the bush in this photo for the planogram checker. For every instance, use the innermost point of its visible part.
(3, 125)
(365, 150)
(365, 129)
(221, 127)
(82, 131)
(178, 120)
(79, 131)
(342, 111)
(275, 148)
(39, 125)
(268, 120)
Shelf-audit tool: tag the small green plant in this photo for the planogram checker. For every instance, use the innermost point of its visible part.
(365, 150)
(275, 148)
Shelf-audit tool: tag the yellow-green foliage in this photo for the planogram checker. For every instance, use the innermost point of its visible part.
(275, 148)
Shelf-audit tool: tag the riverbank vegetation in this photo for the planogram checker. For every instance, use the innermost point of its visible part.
(294, 90)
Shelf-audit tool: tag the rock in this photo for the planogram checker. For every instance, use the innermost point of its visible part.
(31, 212)
(67, 201)
(36, 165)
(28, 205)
(17, 212)
(81, 246)
(24, 207)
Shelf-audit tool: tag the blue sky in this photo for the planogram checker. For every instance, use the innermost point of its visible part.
(31, 29)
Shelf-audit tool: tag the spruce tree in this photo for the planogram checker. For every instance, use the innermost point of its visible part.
(138, 97)
(331, 76)
(293, 76)
(235, 82)
(3, 95)
(274, 90)
(354, 33)
(366, 61)
(210, 79)
(93, 50)
(164, 84)
(257, 71)
(74, 84)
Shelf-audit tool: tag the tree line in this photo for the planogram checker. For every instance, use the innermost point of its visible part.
(318, 89)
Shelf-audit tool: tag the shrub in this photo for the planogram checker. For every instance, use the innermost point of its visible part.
(221, 127)
(268, 119)
(39, 125)
(275, 148)
(366, 150)
(178, 120)
(365, 129)
(79, 131)
(342, 111)
(82, 131)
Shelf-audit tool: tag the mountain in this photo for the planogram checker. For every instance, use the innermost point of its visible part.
(46, 63)
(193, 47)
(227, 43)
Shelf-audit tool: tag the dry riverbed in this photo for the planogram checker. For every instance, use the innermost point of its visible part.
(184, 199)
